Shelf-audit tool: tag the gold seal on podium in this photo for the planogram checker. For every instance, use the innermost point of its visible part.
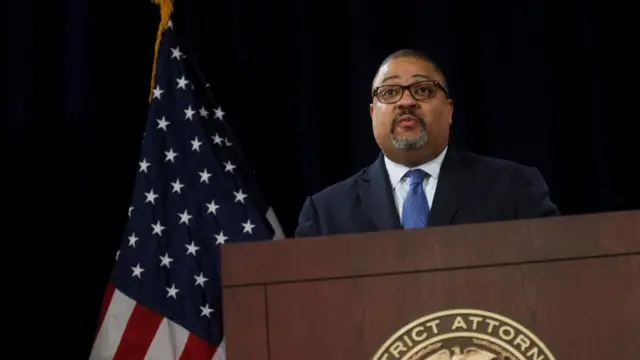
(463, 334)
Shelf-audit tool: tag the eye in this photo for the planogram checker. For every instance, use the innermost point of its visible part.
(388, 92)
(424, 89)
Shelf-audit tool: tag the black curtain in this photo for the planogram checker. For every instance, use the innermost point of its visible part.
(543, 83)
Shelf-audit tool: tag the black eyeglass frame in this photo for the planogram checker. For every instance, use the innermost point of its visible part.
(408, 87)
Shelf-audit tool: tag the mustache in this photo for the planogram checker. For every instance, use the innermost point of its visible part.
(409, 112)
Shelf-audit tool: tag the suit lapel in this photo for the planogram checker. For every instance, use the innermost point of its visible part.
(455, 177)
(377, 198)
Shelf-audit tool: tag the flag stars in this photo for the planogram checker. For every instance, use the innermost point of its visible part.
(165, 261)
(176, 53)
(182, 83)
(137, 271)
(219, 113)
(228, 166)
(144, 165)
(200, 279)
(130, 210)
(151, 197)
(132, 240)
(177, 186)
(157, 228)
(192, 248)
(157, 92)
(188, 113)
(239, 196)
(184, 217)
(162, 123)
(220, 238)
(212, 207)
(170, 155)
(204, 113)
(206, 310)
(172, 291)
(217, 139)
(248, 227)
(195, 143)
(204, 176)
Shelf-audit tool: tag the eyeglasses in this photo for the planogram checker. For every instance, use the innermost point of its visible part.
(422, 90)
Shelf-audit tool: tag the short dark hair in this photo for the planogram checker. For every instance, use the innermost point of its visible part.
(414, 53)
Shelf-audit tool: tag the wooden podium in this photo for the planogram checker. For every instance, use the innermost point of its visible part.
(568, 284)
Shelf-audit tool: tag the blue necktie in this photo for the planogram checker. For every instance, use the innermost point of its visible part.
(415, 209)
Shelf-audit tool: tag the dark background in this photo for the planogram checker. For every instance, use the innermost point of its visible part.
(544, 83)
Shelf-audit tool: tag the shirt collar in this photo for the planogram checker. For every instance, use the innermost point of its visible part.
(396, 171)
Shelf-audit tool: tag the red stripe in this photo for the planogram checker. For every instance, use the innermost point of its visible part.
(141, 329)
(106, 301)
(197, 349)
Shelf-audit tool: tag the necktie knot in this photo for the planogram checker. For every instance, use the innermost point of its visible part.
(416, 176)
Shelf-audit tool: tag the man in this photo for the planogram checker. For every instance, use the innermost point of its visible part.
(419, 179)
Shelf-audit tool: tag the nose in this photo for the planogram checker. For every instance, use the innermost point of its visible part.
(406, 101)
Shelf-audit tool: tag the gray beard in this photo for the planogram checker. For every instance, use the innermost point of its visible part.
(409, 143)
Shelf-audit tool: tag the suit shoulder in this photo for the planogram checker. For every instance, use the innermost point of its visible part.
(491, 163)
(523, 174)
(341, 188)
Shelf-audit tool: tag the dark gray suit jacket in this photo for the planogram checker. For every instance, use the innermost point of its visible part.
(471, 188)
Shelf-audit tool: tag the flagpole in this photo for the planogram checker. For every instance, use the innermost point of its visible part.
(166, 9)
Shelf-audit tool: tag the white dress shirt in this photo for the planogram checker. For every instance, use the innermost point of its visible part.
(400, 183)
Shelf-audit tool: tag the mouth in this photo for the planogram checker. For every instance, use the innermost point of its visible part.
(407, 120)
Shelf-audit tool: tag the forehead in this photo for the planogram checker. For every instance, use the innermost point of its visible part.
(405, 69)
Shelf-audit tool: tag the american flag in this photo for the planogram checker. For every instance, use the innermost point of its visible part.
(192, 194)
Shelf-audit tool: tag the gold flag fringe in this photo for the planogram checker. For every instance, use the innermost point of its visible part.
(166, 9)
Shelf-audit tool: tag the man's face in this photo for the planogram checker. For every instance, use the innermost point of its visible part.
(409, 124)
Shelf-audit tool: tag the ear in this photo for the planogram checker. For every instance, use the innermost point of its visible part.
(371, 110)
(450, 107)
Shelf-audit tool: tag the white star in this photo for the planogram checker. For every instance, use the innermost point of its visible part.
(239, 196)
(177, 187)
(184, 217)
(228, 166)
(205, 310)
(196, 144)
(170, 24)
(151, 197)
(117, 254)
(157, 228)
(192, 248)
(162, 123)
(204, 176)
(166, 260)
(172, 291)
(182, 83)
(248, 226)
(227, 142)
(203, 112)
(144, 165)
(175, 53)
(137, 271)
(133, 239)
(130, 210)
(170, 155)
(219, 113)
(220, 238)
(157, 92)
(200, 279)
(217, 139)
(188, 113)
(212, 207)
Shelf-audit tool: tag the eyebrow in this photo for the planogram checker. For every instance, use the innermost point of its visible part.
(392, 77)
